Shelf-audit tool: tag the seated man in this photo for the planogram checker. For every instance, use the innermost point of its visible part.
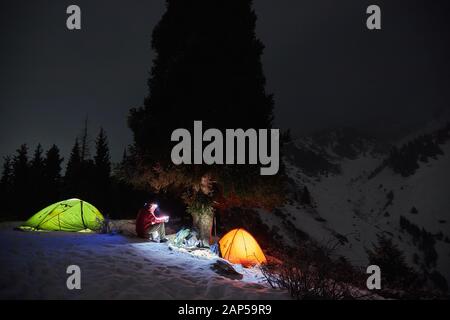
(149, 226)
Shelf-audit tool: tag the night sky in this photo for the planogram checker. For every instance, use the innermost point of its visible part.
(324, 67)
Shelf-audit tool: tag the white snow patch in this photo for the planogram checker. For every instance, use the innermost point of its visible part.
(33, 266)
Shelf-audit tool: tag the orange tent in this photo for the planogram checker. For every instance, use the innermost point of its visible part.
(239, 246)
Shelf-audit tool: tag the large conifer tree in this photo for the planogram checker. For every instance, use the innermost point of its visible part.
(208, 67)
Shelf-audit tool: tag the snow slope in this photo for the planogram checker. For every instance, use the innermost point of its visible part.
(33, 266)
(351, 206)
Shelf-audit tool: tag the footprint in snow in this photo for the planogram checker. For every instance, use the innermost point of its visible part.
(176, 268)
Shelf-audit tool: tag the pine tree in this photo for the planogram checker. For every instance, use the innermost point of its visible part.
(21, 181)
(102, 166)
(306, 196)
(52, 173)
(37, 195)
(391, 260)
(37, 166)
(102, 158)
(208, 68)
(123, 163)
(7, 171)
(38, 160)
(72, 178)
(6, 185)
(414, 210)
(84, 148)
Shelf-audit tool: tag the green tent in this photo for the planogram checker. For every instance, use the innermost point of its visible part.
(67, 215)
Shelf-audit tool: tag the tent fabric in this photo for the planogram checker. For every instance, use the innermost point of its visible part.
(238, 246)
(69, 215)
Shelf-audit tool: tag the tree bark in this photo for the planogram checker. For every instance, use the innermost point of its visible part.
(202, 211)
(203, 223)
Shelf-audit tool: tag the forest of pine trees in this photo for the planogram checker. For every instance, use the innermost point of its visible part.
(386, 255)
(32, 179)
(423, 239)
(405, 160)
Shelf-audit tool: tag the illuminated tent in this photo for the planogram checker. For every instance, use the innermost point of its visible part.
(239, 246)
(68, 215)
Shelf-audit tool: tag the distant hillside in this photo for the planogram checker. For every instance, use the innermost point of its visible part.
(358, 189)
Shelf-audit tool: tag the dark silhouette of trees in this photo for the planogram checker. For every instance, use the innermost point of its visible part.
(6, 179)
(102, 158)
(28, 185)
(37, 163)
(21, 182)
(395, 271)
(37, 182)
(423, 239)
(52, 174)
(79, 180)
(313, 163)
(306, 196)
(439, 281)
(84, 147)
(72, 179)
(414, 210)
(208, 68)
(405, 160)
(102, 169)
(83, 173)
(125, 199)
(6, 182)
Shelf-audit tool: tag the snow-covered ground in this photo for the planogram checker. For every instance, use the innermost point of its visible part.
(33, 266)
(354, 209)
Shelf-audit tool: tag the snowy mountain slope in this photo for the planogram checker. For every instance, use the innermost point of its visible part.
(440, 120)
(422, 199)
(334, 216)
(356, 195)
(427, 191)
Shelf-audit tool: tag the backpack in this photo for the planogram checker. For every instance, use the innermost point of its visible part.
(214, 248)
(181, 236)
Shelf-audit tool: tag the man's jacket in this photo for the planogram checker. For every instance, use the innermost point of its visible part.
(144, 221)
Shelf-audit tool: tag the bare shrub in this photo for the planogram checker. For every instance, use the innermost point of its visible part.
(314, 275)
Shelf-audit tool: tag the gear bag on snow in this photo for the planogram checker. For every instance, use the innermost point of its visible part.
(214, 248)
(186, 238)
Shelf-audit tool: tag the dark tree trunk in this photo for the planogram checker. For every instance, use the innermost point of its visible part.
(203, 223)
